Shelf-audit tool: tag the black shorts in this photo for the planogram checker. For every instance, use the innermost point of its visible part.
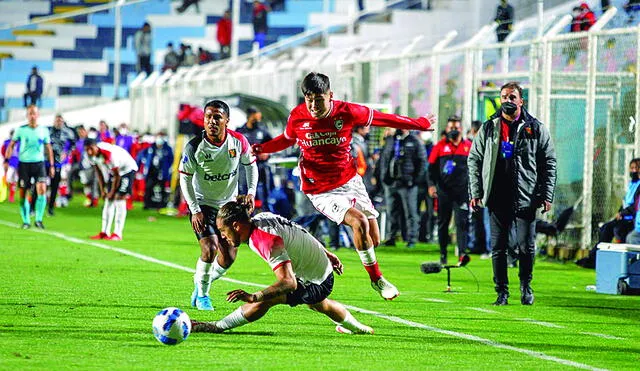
(126, 184)
(31, 170)
(210, 227)
(310, 293)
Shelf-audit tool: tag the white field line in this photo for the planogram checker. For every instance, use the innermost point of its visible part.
(483, 310)
(437, 300)
(540, 323)
(604, 336)
(395, 319)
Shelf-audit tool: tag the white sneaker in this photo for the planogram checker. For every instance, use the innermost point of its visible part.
(366, 330)
(387, 290)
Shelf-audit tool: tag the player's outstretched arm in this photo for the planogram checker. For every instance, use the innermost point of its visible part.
(286, 283)
(276, 144)
(402, 122)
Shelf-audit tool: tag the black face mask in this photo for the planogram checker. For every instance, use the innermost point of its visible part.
(634, 176)
(509, 108)
(453, 135)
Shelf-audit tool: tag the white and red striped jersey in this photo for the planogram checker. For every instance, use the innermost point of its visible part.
(117, 158)
(215, 168)
(278, 240)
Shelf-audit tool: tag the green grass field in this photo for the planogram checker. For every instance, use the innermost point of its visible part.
(68, 302)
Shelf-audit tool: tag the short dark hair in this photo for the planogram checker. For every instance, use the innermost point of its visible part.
(89, 142)
(636, 161)
(512, 85)
(476, 124)
(251, 110)
(454, 118)
(315, 83)
(233, 211)
(216, 103)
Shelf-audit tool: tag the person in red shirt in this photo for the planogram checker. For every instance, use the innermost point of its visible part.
(224, 35)
(322, 127)
(583, 18)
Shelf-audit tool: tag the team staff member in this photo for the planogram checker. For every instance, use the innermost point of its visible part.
(512, 170)
(62, 138)
(33, 141)
(449, 182)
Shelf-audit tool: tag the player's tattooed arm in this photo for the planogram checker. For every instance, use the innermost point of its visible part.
(285, 284)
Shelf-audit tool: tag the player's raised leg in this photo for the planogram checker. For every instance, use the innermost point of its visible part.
(364, 243)
(347, 324)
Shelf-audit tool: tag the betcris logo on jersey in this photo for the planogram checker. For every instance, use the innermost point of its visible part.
(220, 177)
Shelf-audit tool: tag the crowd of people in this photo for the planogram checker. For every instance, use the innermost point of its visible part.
(41, 164)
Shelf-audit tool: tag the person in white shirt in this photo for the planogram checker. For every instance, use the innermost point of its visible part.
(209, 172)
(303, 269)
(121, 169)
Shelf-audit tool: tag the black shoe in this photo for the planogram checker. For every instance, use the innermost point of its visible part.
(39, 225)
(443, 259)
(390, 242)
(26, 226)
(502, 299)
(526, 295)
(51, 212)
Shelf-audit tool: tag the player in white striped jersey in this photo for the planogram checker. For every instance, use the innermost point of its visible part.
(303, 268)
(209, 179)
(122, 168)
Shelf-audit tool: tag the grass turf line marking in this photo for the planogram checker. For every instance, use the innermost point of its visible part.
(484, 310)
(540, 323)
(437, 300)
(460, 335)
(604, 336)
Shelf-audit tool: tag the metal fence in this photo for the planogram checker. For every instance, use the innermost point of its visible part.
(584, 86)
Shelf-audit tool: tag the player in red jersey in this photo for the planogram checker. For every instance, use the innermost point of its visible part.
(322, 127)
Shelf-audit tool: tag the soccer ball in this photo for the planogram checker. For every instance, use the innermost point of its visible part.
(171, 326)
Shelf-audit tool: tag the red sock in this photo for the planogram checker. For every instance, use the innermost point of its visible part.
(12, 192)
(374, 271)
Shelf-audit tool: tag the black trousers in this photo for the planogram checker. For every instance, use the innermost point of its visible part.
(145, 64)
(615, 228)
(502, 223)
(456, 206)
(53, 189)
(34, 99)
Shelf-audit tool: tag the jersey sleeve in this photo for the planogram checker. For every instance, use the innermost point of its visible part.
(16, 135)
(46, 137)
(188, 162)
(270, 247)
(246, 157)
(435, 153)
(289, 131)
(362, 115)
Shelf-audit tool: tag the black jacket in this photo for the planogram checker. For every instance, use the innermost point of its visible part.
(404, 168)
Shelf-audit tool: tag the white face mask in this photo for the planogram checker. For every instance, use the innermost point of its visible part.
(123, 131)
(160, 141)
(92, 135)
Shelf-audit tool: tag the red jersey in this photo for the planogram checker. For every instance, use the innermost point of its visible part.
(326, 162)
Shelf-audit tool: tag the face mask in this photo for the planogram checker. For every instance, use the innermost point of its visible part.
(509, 108)
(159, 141)
(634, 176)
(123, 131)
(453, 135)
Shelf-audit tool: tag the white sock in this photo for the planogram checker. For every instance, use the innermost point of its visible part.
(352, 324)
(202, 277)
(235, 319)
(120, 217)
(217, 270)
(108, 212)
(368, 256)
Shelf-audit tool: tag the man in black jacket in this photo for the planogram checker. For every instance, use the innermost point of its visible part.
(402, 163)
(62, 140)
(512, 170)
(449, 182)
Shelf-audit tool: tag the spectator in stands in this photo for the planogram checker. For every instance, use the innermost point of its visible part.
(204, 56)
(190, 58)
(223, 34)
(104, 133)
(186, 4)
(504, 18)
(155, 163)
(126, 140)
(617, 229)
(449, 183)
(260, 25)
(631, 8)
(171, 60)
(255, 132)
(142, 45)
(402, 162)
(583, 18)
(62, 138)
(35, 85)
